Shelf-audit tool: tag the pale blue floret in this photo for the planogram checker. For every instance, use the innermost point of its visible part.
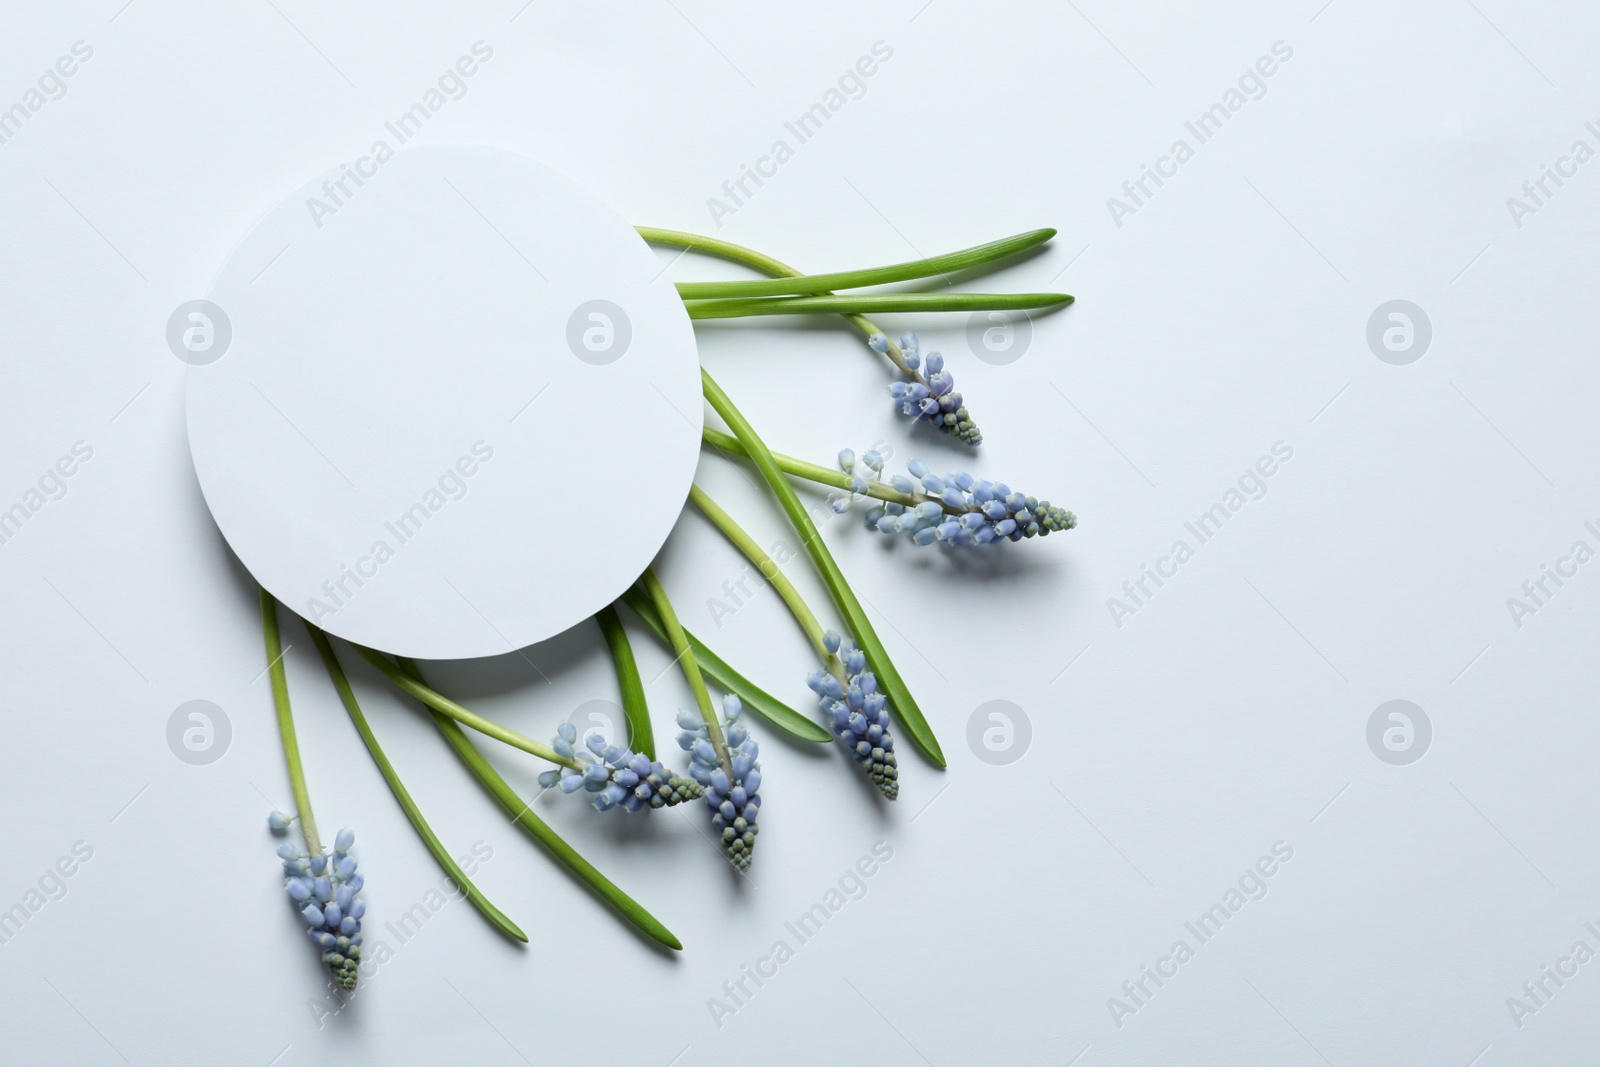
(617, 776)
(327, 902)
(958, 509)
(857, 713)
(732, 797)
(930, 395)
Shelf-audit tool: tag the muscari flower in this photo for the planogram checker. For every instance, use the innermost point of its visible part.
(857, 713)
(955, 508)
(731, 797)
(617, 776)
(323, 889)
(930, 395)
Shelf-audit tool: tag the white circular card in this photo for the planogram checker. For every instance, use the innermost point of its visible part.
(442, 402)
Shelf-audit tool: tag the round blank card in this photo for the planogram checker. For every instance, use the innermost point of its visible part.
(444, 403)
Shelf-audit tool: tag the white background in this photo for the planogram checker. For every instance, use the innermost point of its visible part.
(1168, 754)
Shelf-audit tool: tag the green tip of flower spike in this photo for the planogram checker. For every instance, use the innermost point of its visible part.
(342, 964)
(884, 770)
(739, 842)
(959, 424)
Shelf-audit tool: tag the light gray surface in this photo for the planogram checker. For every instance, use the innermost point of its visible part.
(1168, 754)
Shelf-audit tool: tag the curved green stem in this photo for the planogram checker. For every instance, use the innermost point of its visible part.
(280, 701)
(886, 302)
(894, 687)
(771, 572)
(401, 794)
(767, 265)
(522, 814)
(635, 708)
(688, 664)
(947, 263)
(815, 472)
(716, 668)
(442, 703)
(715, 246)
(764, 563)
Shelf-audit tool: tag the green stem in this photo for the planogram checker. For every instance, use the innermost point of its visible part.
(893, 685)
(635, 708)
(409, 806)
(815, 472)
(688, 664)
(767, 265)
(851, 305)
(947, 263)
(442, 703)
(522, 814)
(715, 246)
(764, 563)
(754, 697)
(280, 700)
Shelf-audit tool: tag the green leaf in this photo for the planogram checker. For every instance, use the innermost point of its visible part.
(401, 794)
(713, 246)
(874, 304)
(753, 696)
(947, 263)
(635, 708)
(893, 686)
(522, 814)
(438, 702)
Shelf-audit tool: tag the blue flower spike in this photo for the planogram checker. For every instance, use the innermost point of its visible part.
(732, 797)
(956, 508)
(858, 714)
(323, 890)
(929, 396)
(617, 777)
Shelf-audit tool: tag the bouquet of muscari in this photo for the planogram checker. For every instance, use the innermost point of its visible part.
(861, 698)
